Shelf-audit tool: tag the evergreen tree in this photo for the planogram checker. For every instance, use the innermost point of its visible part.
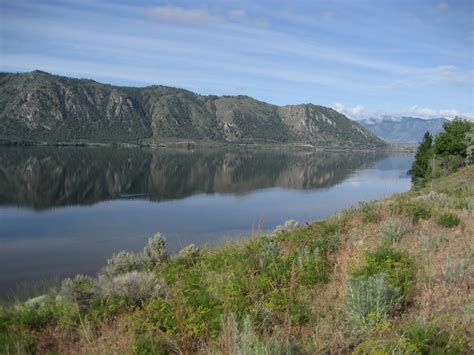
(452, 140)
(421, 166)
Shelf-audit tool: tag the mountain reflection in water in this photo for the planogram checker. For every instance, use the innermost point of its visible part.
(64, 211)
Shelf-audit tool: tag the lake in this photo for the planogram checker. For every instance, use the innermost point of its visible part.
(64, 211)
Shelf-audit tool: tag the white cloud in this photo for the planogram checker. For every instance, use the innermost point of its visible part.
(358, 113)
(433, 113)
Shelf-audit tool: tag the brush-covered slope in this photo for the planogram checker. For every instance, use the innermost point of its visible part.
(38, 106)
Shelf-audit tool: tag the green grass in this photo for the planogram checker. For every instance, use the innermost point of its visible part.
(448, 220)
(397, 265)
(417, 337)
(392, 231)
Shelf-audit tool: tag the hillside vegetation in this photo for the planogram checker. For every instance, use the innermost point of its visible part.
(40, 107)
(449, 150)
(388, 277)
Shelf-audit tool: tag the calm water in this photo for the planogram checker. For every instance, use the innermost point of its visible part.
(64, 211)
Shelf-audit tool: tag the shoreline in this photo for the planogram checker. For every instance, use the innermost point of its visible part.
(196, 144)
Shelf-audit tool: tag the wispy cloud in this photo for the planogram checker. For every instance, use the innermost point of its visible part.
(182, 15)
(442, 7)
(439, 75)
(317, 52)
(202, 16)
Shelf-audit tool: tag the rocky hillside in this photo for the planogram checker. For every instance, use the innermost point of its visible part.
(403, 130)
(38, 106)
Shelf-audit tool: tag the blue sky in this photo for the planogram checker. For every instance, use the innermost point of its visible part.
(363, 58)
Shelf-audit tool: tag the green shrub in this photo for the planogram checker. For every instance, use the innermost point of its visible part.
(13, 339)
(288, 226)
(311, 267)
(123, 262)
(418, 337)
(452, 140)
(370, 300)
(428, 338)
(150, 344)
(420, 168)
(415, 210)
(135, 286)
(80, 289)
(392, 231)
(397, 265)
(190, 251)
(102, 309)
(158, 312)
(448, 220)
(154, 252)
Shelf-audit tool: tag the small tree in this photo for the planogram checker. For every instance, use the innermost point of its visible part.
(421, 166)
(452, 141)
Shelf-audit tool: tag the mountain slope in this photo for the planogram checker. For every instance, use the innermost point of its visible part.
(403, 130)
(43, 107)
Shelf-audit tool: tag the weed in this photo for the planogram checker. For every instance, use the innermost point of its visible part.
(370, 300)
(431, 243)
(288, 226)
(396, 265)
(418, 337)
(311, 267)
(455, 272)
(370, 213)
(415, 210)
(392, 231)
(469, 310)
(150, 344)
(448, 220)
(243, 340)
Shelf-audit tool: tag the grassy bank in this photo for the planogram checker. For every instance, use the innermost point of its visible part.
(391, 276)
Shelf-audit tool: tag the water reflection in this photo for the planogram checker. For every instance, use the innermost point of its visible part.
(47, 177)
(64, 211)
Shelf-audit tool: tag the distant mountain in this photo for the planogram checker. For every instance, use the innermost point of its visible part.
(403, 130)
(39, 106)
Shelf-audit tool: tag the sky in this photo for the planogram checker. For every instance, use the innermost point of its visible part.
(363, 58)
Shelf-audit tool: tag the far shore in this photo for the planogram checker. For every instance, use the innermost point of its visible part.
(200, 144)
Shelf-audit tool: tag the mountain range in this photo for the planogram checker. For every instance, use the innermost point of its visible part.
(41, 107)
(403, 130)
